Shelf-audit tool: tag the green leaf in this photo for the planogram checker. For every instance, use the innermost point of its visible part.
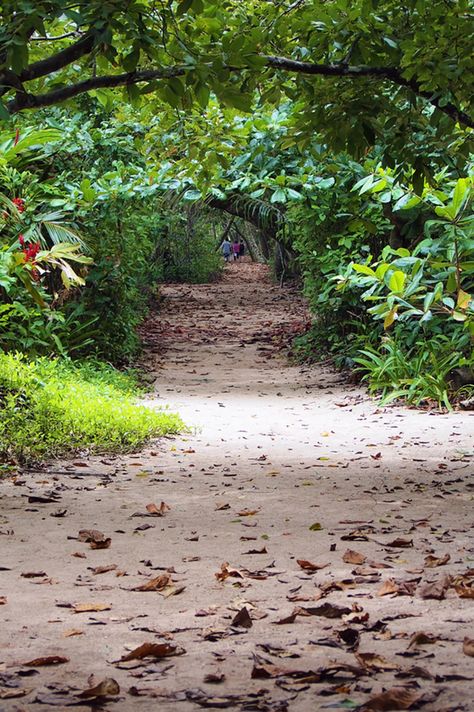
(202, 95)
(279, 196)
(460, 195)
(363, 269)
(316, 527)
(397, 281)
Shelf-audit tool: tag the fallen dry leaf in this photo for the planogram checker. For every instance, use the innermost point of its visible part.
(91, 607)
(102, 569)
(353, 557)
(421, 638)
(432, 562)
(106, 688)
(398, 588)
(399, 543)
(152, 650)
(3, 600)
(33, 574)
(375, 663)
(49, 660)
(72, 632)
(308, 566)
(468, 647)
(248, 512)
(155, 584)
(225, 572)
(287, 620)
(10, 693)
(157, 511)
(326, 610)
(435, 589)
(171, 590)
(397, 698)
(242, 619)
(91, 535)
(464, 591)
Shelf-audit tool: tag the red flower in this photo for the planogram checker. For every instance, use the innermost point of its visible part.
(30, 250)
(20, 204)
(17, 137)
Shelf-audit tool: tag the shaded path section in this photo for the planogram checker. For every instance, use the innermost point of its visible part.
(282, 465)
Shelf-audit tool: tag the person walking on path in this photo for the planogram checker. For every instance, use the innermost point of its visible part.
(241, 249)
(226, 249)
(236, 249)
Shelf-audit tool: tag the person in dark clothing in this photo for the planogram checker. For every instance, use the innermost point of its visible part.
(241, 248)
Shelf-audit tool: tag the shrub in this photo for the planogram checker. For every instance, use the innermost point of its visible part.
(50, 407)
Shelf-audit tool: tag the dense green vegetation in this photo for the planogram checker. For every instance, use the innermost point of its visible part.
(335, 137)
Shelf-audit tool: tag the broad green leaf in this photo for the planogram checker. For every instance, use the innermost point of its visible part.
(363, 269)
(397, 281)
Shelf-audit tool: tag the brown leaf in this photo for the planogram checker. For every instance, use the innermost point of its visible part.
(49, 660)
(152, 650)
(214, 678)
(435, 589)
(399, 588)
(155, 584)
(91, 607)
(248, 512)
(326, 610)
(397, 698)
(287, 620)
(350, 637)
(9, 693)
(88, 535)
(399, 543)
(421, 638)
(225, 572)
(432, 562)
(257, 551)
(72, 632)
(242, 619)
(308, 566)
(102, 569)
(468, 647)
(33, 574)
(353, 557)
(375, 663)
(106, 688)
(157, 511)
(3, 600)
(101, 544)
(464, 591)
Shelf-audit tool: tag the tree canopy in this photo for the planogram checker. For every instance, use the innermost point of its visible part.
(353, 70)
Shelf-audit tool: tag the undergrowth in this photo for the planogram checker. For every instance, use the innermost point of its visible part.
(52, 407)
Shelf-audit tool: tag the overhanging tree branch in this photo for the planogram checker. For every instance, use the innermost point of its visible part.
(25, 100)
(31, 101)
(393, 74)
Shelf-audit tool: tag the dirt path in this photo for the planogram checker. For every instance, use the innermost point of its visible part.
(285, 468)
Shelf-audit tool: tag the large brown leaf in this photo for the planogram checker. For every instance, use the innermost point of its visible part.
(397, 698)
(106, 688)
(152, 650)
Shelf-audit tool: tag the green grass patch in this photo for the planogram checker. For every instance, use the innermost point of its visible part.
(52, 407)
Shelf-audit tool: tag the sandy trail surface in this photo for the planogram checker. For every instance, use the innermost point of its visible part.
(292, 567)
